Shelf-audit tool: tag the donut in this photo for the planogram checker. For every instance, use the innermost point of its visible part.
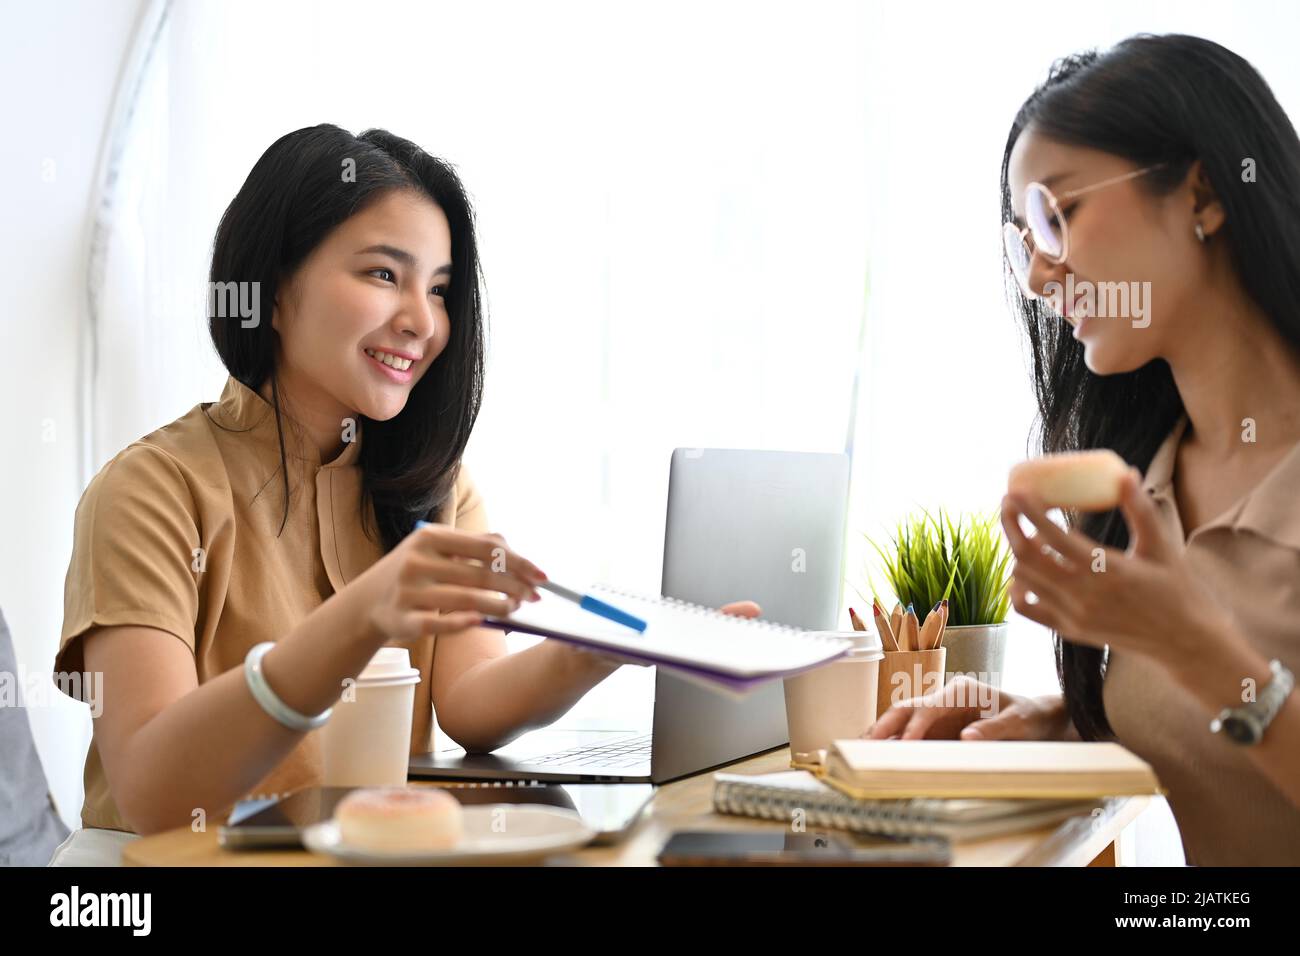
(1085, 480)
(408, 819)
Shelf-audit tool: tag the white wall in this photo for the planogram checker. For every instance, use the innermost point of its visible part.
(58, 66)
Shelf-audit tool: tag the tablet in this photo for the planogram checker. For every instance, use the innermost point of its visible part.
(609, 809)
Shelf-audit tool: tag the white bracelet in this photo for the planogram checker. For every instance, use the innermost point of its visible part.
(270, 702)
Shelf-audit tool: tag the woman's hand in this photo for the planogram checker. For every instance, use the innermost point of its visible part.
(966, 709)
(1145, 599)
(741, 609)
(440, 580)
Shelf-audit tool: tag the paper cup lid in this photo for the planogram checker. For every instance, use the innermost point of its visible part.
(866, 644)
(389, 664)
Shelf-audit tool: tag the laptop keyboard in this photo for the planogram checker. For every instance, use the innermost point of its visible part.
(621, 754)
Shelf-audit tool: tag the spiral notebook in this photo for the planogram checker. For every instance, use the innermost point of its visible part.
(777, 796)
(699, 643)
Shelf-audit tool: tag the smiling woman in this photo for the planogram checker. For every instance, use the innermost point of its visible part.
(1174, 614)
(284, 514)
(373, 248)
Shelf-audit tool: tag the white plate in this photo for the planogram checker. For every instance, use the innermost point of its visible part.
(495, 833)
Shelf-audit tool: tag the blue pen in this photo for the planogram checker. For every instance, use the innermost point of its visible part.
(589, 603)
(586, 601)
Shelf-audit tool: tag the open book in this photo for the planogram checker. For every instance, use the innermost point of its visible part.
(883, 769)
(700, 643)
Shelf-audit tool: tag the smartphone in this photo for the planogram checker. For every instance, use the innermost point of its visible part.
(783, 848)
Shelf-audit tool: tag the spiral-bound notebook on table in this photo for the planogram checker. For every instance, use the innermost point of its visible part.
(723, 651)
(778, 796)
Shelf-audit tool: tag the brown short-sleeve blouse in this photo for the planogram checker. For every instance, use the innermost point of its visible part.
(1228, 812)
(181, 532)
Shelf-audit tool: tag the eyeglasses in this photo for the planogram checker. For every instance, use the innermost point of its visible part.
(1047, 227)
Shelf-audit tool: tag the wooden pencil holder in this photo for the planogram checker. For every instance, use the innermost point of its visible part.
(905, 674)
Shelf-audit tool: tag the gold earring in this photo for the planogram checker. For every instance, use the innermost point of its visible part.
(1200, 233)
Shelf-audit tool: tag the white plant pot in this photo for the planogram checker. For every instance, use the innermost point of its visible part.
(978, 650)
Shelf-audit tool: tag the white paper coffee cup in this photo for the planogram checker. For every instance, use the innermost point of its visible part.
(367, 740)
(835, 700)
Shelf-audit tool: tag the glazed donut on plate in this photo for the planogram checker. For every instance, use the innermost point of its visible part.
(409, 819)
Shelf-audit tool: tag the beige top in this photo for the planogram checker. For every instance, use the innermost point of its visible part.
(1249, 558)
(211, 480)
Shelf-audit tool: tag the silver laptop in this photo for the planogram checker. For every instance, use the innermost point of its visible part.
(767, 526)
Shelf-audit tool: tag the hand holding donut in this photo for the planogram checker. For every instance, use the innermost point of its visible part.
(1144, 599)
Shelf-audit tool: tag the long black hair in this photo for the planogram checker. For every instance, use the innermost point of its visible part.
(1156, 99)
(306, 184)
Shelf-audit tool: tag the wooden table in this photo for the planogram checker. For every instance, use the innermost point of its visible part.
(1086, 840)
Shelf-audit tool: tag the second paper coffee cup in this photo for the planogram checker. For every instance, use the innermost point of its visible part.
(836, 700)
(367, 740)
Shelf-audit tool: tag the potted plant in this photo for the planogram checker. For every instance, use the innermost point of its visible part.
(965, 561)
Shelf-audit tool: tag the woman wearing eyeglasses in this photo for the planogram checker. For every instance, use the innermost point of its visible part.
(1164, 169)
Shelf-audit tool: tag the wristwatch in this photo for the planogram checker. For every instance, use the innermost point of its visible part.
(1246, 724)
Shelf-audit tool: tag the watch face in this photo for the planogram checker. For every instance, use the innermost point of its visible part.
(1240, 730)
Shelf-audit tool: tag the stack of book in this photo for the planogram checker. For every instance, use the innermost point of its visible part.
(961, 790)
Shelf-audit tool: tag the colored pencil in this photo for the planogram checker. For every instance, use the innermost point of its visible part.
(887, 637)
(930, 629)
(911, 631)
